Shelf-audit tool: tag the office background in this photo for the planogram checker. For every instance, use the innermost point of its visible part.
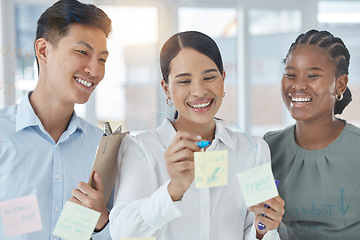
(253, 36)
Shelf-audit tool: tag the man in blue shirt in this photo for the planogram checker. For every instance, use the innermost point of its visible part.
(45, 148)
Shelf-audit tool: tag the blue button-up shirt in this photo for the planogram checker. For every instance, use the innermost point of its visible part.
(32, 163)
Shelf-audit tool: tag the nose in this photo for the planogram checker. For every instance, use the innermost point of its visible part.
(299, 84)
(198, 88)
(92, 67)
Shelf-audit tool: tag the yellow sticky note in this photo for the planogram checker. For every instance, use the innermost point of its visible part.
(257, 184)
(76, 222)
(211, 168)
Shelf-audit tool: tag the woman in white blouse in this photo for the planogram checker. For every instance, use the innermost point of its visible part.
(155, 190)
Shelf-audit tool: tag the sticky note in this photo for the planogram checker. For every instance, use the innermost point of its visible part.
(76, 222)
(20, 216)
(211, 168)
(257, 184)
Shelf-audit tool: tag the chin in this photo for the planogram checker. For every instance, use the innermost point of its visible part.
(82, 100)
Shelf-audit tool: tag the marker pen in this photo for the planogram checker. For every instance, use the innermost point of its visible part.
(203, 144)
(262, 226)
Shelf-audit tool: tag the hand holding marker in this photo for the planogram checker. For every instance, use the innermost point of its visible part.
(203, 144)
(262, 226)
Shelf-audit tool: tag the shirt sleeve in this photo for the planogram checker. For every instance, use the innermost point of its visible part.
(262, 156)
(103, 234)
(141, 208)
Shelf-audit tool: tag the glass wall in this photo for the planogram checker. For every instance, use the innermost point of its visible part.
(342, 18)
(130, 93)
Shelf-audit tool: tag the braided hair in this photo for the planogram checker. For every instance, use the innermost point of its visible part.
(336, 49)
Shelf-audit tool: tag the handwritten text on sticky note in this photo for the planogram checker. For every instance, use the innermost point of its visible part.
(76, 222)
(20, 215)
(211, 168)
(257, 184)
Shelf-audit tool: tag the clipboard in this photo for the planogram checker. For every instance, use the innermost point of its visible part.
(105, 163)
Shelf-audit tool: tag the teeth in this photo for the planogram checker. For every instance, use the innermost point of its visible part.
(300, 99)
(201, 105)
(83, 82)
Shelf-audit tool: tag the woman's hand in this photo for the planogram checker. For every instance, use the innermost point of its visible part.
(273, 215)
(179, 159)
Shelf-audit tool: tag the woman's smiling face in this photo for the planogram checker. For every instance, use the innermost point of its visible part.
(195, 86)
(309, 83)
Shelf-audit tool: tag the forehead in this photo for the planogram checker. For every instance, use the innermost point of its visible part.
(310, 55)
(190, 60)
(83, 33)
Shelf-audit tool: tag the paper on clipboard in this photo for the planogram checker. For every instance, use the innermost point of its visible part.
(105, 163)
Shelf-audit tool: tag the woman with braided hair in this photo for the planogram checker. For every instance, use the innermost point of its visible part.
(317, 160)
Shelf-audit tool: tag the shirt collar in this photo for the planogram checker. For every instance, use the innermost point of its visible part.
(167, 132)
(26, 117)
(222, 133)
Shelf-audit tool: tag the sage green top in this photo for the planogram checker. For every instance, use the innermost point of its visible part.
(321, 188)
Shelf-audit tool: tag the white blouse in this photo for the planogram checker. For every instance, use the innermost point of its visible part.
(144, 208)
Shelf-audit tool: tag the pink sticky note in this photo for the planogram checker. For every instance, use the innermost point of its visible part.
(20, 215)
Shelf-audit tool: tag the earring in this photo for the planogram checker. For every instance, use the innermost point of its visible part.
(167, 102)
(339, 97)
(224, 94)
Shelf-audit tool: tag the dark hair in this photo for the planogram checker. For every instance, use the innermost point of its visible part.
(55, 22)
(336, 49)
(191, 39)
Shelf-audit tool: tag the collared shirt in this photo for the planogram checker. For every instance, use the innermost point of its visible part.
(32, 163)
(144, 208)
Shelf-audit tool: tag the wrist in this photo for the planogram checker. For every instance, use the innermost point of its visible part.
(103, 221)
(175, 195)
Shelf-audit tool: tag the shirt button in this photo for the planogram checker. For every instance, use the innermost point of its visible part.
(56, 146)
(57, 176)
(57, 209)
(55, 239)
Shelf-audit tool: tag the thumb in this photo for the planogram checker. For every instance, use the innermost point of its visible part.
(98, 186)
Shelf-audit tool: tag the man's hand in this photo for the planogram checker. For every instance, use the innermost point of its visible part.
(92, 198)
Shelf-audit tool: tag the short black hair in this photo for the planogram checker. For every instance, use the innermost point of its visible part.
(336, 49)
(55, 22)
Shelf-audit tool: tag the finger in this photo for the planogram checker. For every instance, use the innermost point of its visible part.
(183, 155)
(75, 200)
(270, 214)
(188, 135)
(80, 196)
(86, 188)
(185, 144)
(184, 135)
(98, 182)
(266, 224)
(179, 167)
(279, 200)
(276, 204)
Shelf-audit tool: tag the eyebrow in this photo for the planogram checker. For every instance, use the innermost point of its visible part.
(90, 47)
(209, 70)
(309, 69)
(188, 74)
